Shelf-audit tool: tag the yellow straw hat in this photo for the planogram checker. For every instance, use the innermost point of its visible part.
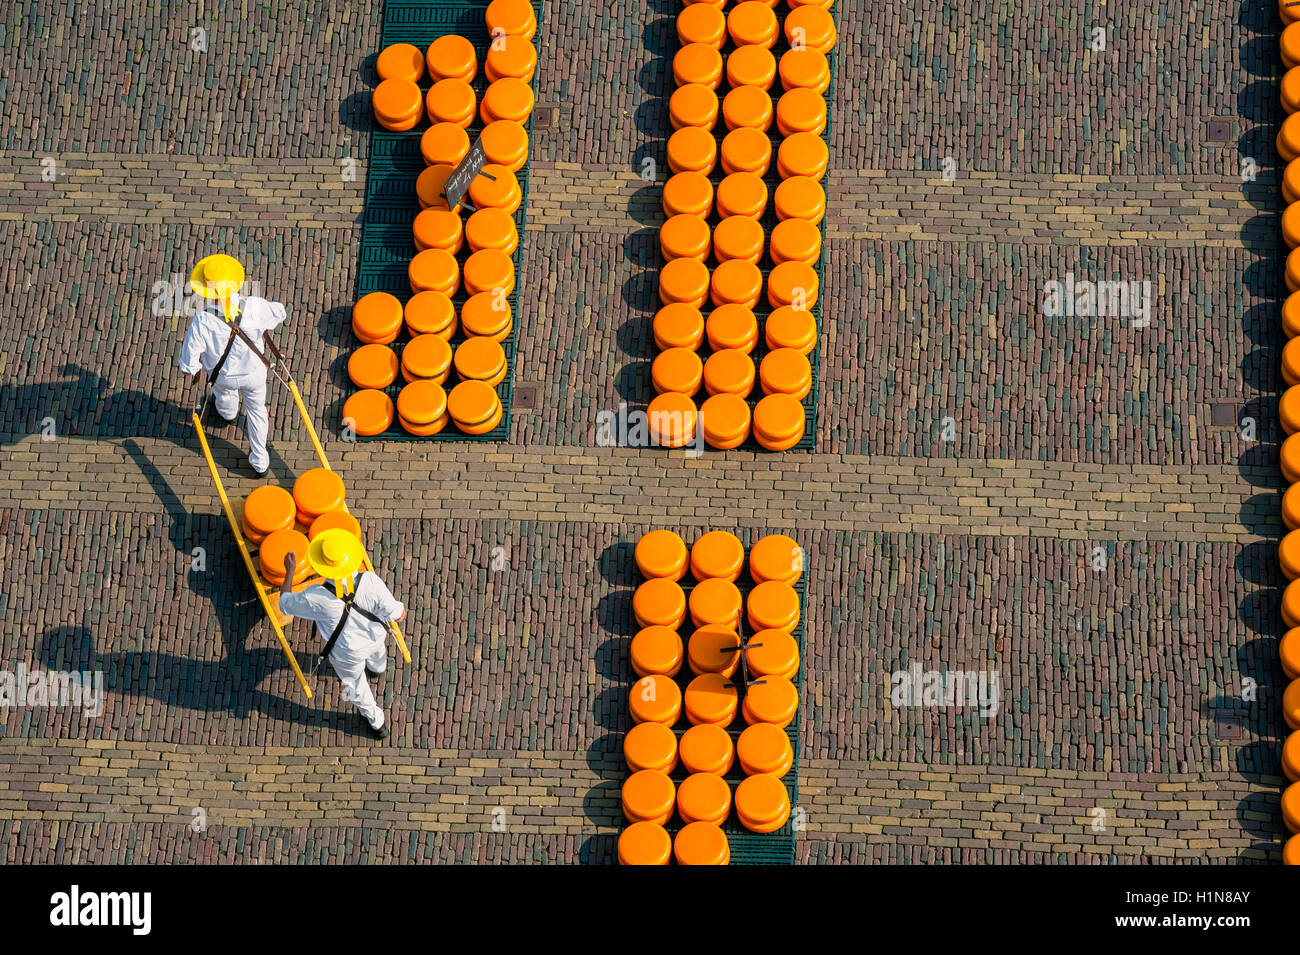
(336, 555)
(218, 277)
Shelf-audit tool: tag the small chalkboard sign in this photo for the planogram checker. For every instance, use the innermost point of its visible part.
(471, 166)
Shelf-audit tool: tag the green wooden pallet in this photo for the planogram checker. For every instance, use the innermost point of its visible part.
(391, 206)
(755, 848)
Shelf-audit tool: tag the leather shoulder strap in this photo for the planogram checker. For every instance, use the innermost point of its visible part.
(230, 343)
(338, 630)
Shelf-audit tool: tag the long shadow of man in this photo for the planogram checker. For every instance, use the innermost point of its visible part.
(84, 405)
(231, 685)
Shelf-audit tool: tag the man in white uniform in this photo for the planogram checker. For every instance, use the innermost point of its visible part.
(352, 617)
(242, 374)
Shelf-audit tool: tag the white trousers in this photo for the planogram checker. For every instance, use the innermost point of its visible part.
(227, 392)
(351, 669)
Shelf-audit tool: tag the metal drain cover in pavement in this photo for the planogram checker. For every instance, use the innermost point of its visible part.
(1223, 414)
(1228, 725)
(525, 397)
(1218, 130)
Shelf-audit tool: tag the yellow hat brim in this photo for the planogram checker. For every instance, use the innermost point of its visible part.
(200, 284)
(352, 558)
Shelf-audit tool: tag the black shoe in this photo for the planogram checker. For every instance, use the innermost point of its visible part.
(256, 472)
(217, 419)
(374, 673)
(381, 733)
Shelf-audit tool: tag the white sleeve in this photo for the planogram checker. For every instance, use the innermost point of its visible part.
(192, 349)
(303, 604)
(385, 604)
(266, 314)
(295, 604)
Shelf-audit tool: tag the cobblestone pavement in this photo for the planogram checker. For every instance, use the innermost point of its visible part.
(1121, 738)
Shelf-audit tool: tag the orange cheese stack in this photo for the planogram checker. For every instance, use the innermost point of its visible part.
(678, 326)
(373, 366)
(501, 191)
(317, 492)
(650, 746)
(267, 509)
(661, 554)
(673, 420)
(401, 61)
(505, 143)
(725, 419)
(507, 18)
(368, 412)
(778, 422)
(334, 520)
(645, 843)
(276, 548)
(422, 408)
(430, 313)
(512, 56)
(474, 407)
(482, 360)
(438, 229)
(487, 315)
(444, 144)
(452, 57)
(701, 843)
(656, 650)
(451, 101)
(648, 796)
(507, 98)
(764, 749)
(426, 358)
(762, 803)
(397, 104)
(377, 318)
(492, 229)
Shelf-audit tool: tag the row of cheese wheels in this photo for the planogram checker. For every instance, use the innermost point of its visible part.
(485, 271)
(692, 193)
(739, 237)
(761, 750)
(452, 64)
(736, 284)
(726, 421)
(704, 800)
(504, 141)
(278, 522)
(425, 406)
(731, 371)
(429, 358)
(451, 101)
(380, 317)
(488, 274)
(762, 802)
(1288, 147)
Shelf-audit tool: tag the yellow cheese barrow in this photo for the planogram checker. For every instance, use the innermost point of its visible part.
(268, 593)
